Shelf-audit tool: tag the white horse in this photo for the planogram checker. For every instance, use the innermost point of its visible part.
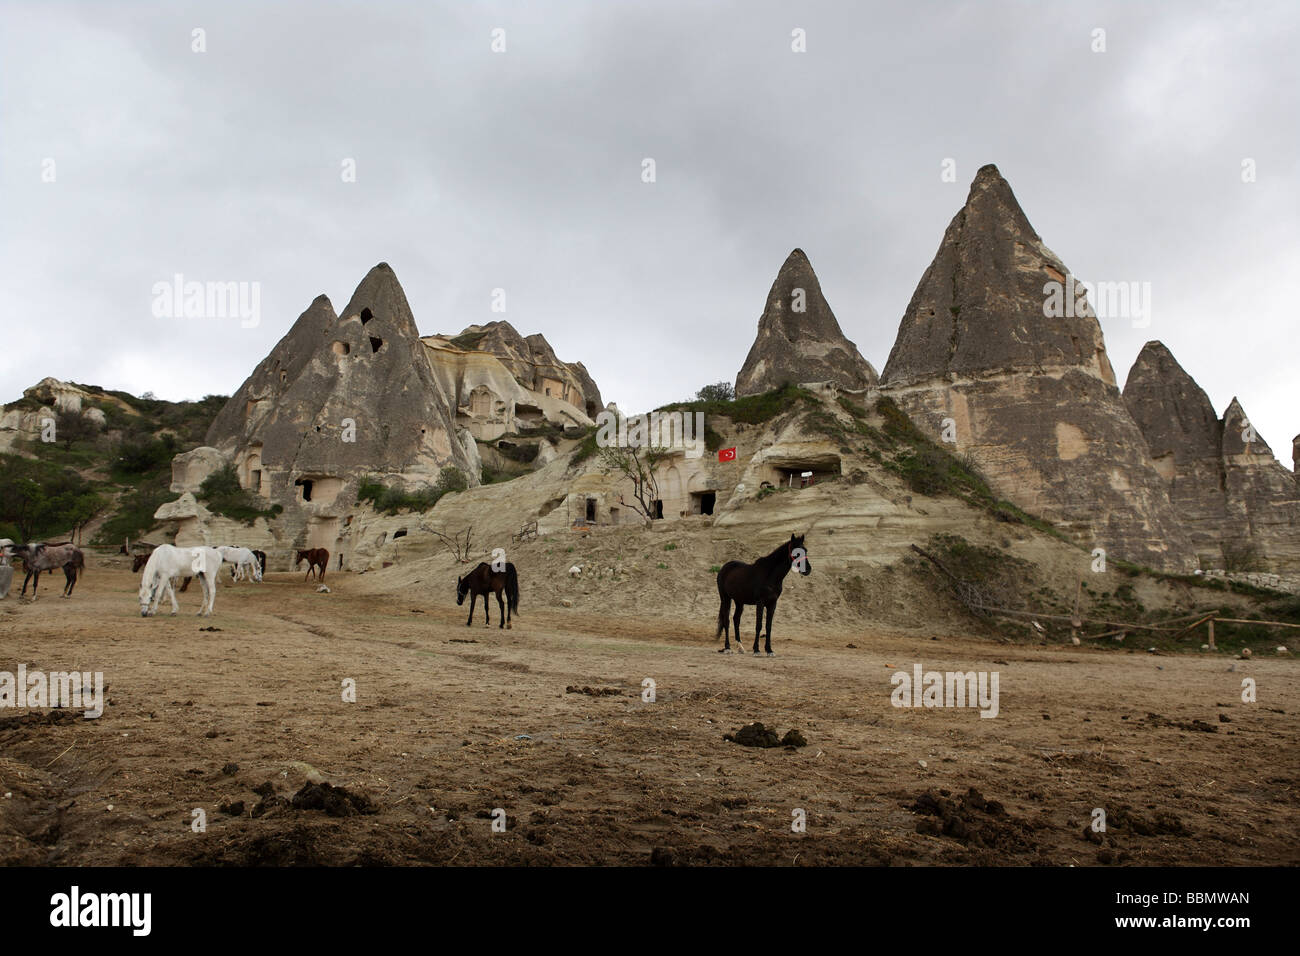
(244, 561)
(168, 562)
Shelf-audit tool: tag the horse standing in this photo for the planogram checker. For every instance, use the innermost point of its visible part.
(315, 558)
(243, 562)
(168, 562)
(483, 580)
(44, 557)
(759, 584)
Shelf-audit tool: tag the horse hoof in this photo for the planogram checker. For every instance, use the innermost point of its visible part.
(770, 654)
(509, 627)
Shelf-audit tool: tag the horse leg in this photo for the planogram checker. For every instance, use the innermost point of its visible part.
(171, 593)
(321, 576)
(740, 609)
(724, 618)
(501, 609)
(771, 610)
(473, 598)
(487, 609)
(758, 630)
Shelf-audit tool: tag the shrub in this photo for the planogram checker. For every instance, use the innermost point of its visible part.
(222, 494)
(392, 500)
(719, 392)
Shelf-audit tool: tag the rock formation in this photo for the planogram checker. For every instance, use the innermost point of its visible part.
(798, 338)
(483, 372)
(1031, 398)
(1263, 502)
(531, 362)
(340, 397)
(1239, 506)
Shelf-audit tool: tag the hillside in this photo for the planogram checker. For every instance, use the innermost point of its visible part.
(106, 469)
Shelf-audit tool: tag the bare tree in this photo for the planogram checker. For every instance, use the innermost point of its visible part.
(459, 548)
(639, 464)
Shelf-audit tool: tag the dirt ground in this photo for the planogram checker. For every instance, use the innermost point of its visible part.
(451, 723)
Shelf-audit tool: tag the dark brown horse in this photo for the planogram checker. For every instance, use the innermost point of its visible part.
(483, 580)
(316, 558)
(759, 584)
(261, 561)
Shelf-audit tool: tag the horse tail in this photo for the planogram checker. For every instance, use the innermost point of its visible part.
(512, 588)
(722, 608)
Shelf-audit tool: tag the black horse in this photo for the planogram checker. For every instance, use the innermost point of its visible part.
(759, 584)
(483, 580)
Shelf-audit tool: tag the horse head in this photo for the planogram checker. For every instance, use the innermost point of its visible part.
(798, 555)
(147, 589)
(462, 588)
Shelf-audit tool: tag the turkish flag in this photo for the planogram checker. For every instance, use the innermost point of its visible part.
(727, 454)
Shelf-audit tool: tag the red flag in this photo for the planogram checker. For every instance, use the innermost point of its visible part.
(727, 454)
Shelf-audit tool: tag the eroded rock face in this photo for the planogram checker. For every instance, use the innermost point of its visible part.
(1185, 437)
(1263, 502)
(1032, 399)
(799, 339)
(1237, 503)
(533, 364)
(340, 397)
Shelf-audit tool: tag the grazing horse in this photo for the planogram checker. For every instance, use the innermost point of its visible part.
(483, 580)
(44, 557)
(243, 562)
(315, 558)
(168, 562)
(261, 561)
(759, 584)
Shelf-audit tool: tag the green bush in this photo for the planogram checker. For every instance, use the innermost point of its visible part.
(222, 495)
(392, 500)
(39, 499)
(752, 409)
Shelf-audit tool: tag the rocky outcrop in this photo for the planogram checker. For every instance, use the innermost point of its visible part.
(531, 362)
(190, 468)
(1031, 398)
(340, 397)
(799, 339)
(1239, 506)
(1263, 502)
(1185, 438)
(488, 400)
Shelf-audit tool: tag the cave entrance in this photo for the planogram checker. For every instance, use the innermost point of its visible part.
(591, 510)
(704, 501)
(305, 484)
(375, 344)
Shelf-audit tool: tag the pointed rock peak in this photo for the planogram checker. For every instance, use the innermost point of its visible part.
(1172, 411)
(986, 304)
(799, 339)
(991, 204)
(1155, 363)
(1239, 435)
(379, 296)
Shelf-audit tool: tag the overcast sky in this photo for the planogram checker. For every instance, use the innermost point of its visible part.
(522, 170)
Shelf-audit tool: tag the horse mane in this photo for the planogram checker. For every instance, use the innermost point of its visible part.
(780, 552)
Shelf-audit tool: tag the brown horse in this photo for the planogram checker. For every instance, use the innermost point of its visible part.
(483, 580)
(315, 558)
(758, 584)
